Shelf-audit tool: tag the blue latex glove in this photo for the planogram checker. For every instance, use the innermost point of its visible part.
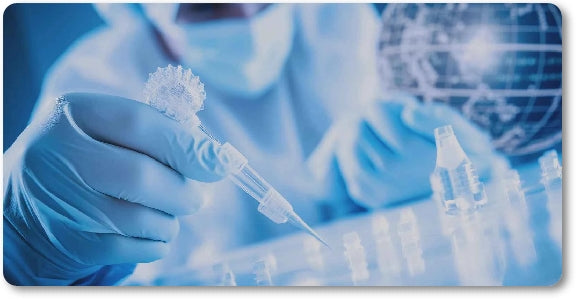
(96, 184)
(387, 154)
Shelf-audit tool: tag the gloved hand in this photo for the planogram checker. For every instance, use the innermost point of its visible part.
(386, 153)
(96, 185)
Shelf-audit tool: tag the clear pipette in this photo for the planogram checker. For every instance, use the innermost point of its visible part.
(273, 205)
(179, 94)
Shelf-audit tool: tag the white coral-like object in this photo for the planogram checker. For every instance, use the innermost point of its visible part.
(177, 93)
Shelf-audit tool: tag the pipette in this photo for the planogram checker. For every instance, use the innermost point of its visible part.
(179, 94)
(272, 204)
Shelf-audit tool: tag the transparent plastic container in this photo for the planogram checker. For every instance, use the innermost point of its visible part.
(455, 181)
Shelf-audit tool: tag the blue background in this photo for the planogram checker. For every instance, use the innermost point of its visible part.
(35, 35)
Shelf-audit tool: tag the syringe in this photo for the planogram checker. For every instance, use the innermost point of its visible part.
(273, 205)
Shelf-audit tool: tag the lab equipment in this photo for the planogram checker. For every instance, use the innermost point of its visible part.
(263, 269)
(356, 257)
(515, 197)
(409, 235)
(313, 253)
(386, 151)
(516, 218)
(389, 262)
(179, 94)
(551, 178)
(477, 251)
(551, 170)
(470, 256)
(225, 274)
(510, 193)
(470, 260)
(473, 230)
(454, 181)
(272, 204)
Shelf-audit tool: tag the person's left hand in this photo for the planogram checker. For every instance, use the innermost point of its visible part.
(387, 154)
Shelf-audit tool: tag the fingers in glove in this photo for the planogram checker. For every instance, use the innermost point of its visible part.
(133, 125)
(109, 249)
(137, 178)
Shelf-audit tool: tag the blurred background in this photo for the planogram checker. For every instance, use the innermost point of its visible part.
(35, 35)
(513, 87)
(500, 65)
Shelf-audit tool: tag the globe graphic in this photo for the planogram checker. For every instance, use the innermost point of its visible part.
(499, 64)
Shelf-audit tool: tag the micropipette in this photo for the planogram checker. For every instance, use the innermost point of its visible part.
(179, 94)
(273, 205)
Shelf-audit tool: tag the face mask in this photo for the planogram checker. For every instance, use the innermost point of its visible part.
(241, 57)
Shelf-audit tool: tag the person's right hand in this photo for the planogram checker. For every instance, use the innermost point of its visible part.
(95, 186)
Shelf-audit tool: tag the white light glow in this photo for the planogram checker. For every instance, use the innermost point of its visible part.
(479, 53)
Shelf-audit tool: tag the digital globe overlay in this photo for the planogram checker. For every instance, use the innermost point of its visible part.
(499, 64)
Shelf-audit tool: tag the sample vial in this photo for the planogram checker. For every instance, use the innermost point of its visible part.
(313, 253)
(356, 256)
(263, 269)
(410, 242)
(516, 220)
(225, 275)
(514, 194)
(552, 181)
(389, 262)
(455, 180)
(478, 256)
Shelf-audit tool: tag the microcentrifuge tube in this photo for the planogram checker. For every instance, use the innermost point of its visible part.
(356, 256)
(454, 180)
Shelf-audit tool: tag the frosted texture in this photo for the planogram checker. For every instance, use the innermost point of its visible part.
(177, 93)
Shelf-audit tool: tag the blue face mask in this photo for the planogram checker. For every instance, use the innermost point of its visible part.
(240, 57)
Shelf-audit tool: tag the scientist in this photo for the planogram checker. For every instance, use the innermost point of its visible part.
(98, 182)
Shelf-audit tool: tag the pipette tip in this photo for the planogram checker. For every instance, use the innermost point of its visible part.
(298, 222)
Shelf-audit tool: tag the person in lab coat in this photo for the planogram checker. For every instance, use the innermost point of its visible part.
(99, 181)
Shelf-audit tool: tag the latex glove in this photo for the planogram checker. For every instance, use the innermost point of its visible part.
(97, 183)
(387, 154)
